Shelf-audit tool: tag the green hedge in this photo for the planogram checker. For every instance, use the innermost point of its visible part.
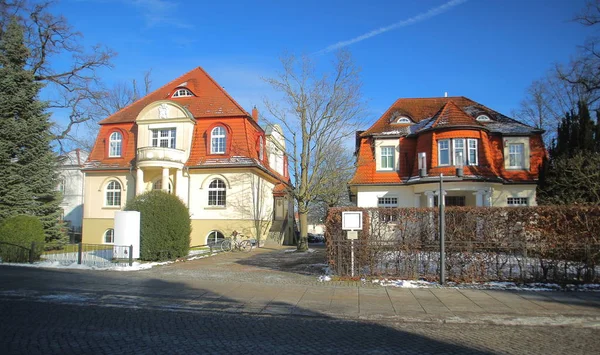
(16, 235)
(165, 225)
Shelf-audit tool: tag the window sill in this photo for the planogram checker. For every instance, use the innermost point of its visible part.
(386, 171)
(111, 207)
(513, 168)
(215, 208)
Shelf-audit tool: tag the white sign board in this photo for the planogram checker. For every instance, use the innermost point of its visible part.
(352, 220)
(127, 232)
(352, 235)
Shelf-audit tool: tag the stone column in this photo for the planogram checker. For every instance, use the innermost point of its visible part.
(430, 198)
(479, 198)
(139, 181)
(165, 179)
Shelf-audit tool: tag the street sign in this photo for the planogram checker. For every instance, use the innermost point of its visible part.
(352, 235)
(352, 220)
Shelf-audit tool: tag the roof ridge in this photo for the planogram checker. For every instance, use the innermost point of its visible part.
(150, 93)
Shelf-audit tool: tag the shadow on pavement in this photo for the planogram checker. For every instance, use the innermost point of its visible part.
(51, 311)
(311, 263)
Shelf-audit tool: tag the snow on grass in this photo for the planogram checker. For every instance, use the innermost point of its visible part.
(324, 278)
(136, 266)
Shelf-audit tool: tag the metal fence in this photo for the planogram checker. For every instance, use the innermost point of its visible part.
(98, 255)
(467, 261)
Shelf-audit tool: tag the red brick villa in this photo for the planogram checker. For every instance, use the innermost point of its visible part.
(487, 158)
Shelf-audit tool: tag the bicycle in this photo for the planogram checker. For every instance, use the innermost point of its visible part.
(230, 244)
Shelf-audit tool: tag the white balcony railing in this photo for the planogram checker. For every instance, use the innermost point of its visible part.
(160, 154)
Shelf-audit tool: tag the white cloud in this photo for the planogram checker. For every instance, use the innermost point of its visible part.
(410, 21)
(160, 12)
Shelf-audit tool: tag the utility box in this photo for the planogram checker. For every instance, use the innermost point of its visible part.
(127, 232)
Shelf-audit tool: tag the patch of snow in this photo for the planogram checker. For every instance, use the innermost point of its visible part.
(324, 278)
(136, 266)
(64, 298)
(405, 283)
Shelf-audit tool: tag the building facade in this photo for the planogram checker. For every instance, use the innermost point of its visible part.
(486, 158)
(191, 139)
(71, 185)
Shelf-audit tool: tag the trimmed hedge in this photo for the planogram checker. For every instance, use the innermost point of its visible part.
(165, 225)
(545, 243)
(16, 235)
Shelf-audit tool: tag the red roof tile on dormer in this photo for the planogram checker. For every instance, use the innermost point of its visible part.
(451, 115)
(210, 100)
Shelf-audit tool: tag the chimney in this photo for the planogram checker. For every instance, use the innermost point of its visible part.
(255, 114)
(446, 94)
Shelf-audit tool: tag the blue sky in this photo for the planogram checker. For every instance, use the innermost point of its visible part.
(487, 50)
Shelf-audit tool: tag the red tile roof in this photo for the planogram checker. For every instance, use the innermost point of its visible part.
(210, 99)
(451, 115)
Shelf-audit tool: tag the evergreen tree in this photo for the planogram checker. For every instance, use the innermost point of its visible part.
(28, 179)
(572, 172)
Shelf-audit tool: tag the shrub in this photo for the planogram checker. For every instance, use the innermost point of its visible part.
(16, 235)
(165, 225)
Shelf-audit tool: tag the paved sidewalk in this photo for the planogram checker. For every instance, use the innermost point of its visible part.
(270, 281)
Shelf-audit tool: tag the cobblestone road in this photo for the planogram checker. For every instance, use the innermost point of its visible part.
(53, 328)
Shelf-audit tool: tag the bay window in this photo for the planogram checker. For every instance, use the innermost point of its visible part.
(457, 151)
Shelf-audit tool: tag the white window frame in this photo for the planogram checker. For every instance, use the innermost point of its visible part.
(387, 201)
(475, 149)
(387, 158)
(453, 151)
(112, 195)
(182, 93)
(404, 120)
(261, 148)
(517, 201)
(483, 118)
(217, 193)
(115, 144)
(520, 154)
(440, 149)
(218, 140)
(163, 138)
(109, 232)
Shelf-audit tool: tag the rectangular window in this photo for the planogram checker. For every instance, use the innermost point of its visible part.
(517, 201)
(472, 156)
(457, 151)
(515, 155)
(387, 202)
(164, 138)
(444, 152)
(387, 158)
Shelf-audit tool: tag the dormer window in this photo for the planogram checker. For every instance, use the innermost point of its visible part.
(403, 119)
(217, 140)
(115, 144)
(182, 93)
(483, 118)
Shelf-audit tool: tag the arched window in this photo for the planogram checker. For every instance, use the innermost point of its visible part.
(109, 236)
(217, 140)
(113, 194)
(158, 186)
(115, 143)
(182, 93)
(216, 193)
(214, 238)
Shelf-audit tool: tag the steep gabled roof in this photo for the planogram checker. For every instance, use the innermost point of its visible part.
(209, 100)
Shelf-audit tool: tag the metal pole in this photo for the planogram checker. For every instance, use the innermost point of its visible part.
(79, 252)
(442, 203)
(352, 255)
(130, 255)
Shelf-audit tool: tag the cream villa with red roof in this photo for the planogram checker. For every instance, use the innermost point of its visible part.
(487, 159)
(192, 139)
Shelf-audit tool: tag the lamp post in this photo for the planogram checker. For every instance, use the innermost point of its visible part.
(441, 204)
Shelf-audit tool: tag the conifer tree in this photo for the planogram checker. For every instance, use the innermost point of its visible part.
(28, 165)
(571, 175)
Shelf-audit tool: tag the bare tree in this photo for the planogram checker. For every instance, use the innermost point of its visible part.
(70, 87)
(318, 111)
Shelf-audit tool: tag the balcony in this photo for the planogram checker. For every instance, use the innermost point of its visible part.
(159, 156)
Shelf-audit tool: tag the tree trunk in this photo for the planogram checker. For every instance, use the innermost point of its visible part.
(303, 241)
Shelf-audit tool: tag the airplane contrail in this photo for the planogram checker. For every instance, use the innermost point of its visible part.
(420, 17)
